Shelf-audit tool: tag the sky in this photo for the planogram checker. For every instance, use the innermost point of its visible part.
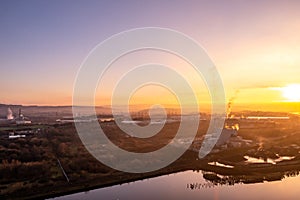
(255, 44)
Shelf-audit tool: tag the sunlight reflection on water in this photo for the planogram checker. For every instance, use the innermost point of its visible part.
(174, 186)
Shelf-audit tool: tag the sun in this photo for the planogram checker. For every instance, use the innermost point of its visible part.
(291, 92)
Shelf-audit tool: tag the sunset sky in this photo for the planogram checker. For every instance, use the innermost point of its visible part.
(254, 44)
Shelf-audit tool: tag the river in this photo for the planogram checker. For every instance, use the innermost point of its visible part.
(179, 186)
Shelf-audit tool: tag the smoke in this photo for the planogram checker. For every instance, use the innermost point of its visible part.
(230, 103)
(9, 114)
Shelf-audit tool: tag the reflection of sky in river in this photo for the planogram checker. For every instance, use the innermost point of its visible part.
(174, 186)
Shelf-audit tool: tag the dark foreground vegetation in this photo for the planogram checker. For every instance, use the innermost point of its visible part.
(51, 160)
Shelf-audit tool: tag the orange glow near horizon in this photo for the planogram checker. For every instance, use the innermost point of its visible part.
(255, 47)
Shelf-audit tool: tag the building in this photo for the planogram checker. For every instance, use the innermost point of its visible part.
(21, 119)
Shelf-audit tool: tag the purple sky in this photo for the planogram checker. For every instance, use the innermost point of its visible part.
(43, 43)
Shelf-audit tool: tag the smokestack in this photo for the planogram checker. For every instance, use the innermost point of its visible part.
(229, 108)
(20, 112)
(231, 100)
(9, 115)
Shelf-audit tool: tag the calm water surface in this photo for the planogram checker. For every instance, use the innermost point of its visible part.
(176, 186)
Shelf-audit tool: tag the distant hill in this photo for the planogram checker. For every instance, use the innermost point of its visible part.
(34, 111)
